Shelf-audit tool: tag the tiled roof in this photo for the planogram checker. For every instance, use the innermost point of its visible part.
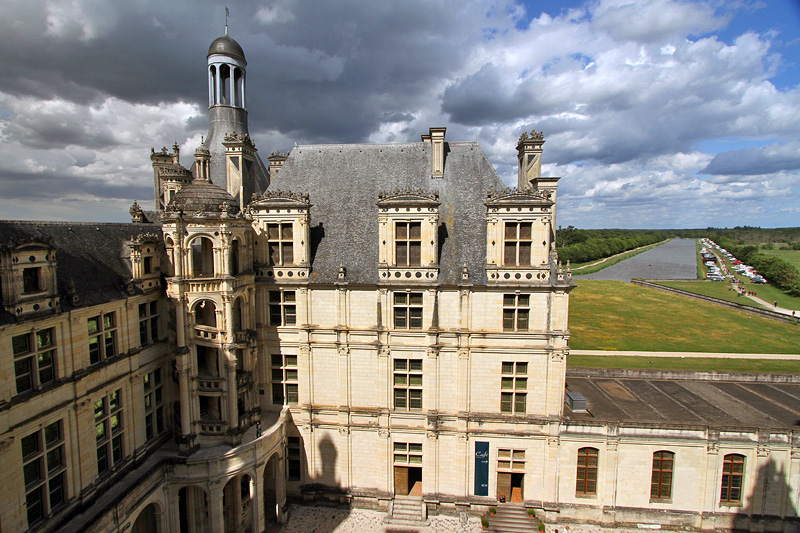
(343, 183)
(95, 256)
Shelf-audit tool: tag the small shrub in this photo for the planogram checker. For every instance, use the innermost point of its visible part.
(541, 526)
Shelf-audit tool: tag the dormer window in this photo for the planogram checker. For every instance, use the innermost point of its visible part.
(281, 222)
(519, 236)
(408, 227)
(146, 261)
(28, 278)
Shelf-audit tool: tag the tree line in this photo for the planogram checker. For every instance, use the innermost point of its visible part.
(580, 245)
(780, 273)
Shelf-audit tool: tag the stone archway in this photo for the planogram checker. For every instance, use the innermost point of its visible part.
(237, 504)
(149, 520)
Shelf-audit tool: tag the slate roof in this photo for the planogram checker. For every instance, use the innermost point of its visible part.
(343, 182)
(96, 256)
(689, 402)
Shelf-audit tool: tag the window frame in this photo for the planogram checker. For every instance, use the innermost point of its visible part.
(149, 331)
(51, 479)
(32, 276)
(282, 243)
(516, 312)
(105, 332)
(513, 398)
(585, 457)
(111, 444)
(730, 463)
(294, 458)
(407, 384)
(510, 460)
(518, 242)
(409, 242)
(33, 357)
(153, 402)
(282, 309)
(662, 475)
(407, 454)
(284, 377)
(408, 314)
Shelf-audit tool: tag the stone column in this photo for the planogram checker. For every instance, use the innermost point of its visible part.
(230, 367)
(280, 489)
(183, 380)
(217, 80)
(216, 512)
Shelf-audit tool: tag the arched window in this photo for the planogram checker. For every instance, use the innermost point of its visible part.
(661, 481)
(586, 478)
(205, 314)
(732, 479)
(202, 258)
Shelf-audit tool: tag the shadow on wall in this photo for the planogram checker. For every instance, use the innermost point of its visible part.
(324, 505)
(770, 506)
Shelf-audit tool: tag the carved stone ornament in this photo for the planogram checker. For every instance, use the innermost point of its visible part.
(432, 435)
(433, 352)
(510, 194)
(344, 351)
(408, 193)
(463, 353)
(384, 433)
(763, 451)
(557, 357)
(344, 430)
(713, 448)
(384, 351)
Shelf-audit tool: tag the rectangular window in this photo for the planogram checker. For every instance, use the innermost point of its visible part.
(34, 359)
(408, 310)
(408, 384)
(516, 312)
(408, 243)
(407, 453)
(282, 308)
(661, 481)
(102, 337)
(280, 244)
(294, 452)
(284, 379)
(732, 479)
(108, 431)
(517, 243)
(148, 322)
(510, 460)
(43, 467)
(31, 280)
(586, 478)
(153, 404)
(148, 265)
(514, 385)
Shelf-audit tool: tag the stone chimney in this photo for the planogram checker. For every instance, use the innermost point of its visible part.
(529, 153)
(438, 150)
(202, 162)
(276, 161)
(176, 154)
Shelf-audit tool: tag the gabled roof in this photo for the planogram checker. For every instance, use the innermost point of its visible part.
(95, 256)
(344, 183)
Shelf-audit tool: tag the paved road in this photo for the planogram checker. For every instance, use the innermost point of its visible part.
(676, 259)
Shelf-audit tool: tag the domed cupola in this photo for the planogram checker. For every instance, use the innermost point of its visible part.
(203, 199)
(227, 46)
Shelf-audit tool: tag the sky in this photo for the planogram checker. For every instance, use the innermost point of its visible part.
(656, 113)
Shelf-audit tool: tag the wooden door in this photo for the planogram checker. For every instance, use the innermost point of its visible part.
(401, 480)
(503, 485)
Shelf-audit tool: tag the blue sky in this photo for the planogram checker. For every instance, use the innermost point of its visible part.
(657, 113)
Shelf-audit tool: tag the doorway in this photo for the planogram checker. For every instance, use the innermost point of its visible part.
(408, 481)
(510, 486)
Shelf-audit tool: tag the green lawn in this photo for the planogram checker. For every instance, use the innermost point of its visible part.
(790, 256)
(688, 363)
(716, 289)
(613, 315)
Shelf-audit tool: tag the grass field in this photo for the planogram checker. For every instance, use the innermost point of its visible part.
(718, 289)
(790, 256)
(688, 363)
(613, 315)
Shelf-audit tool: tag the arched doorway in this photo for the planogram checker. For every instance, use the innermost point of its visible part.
(237, 504)
(270, 490)
(149, 520)
(193, 510)
(202, 257)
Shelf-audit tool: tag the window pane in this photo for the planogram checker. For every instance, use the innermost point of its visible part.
(505, 402)
(54, 459)
(108, 320)
(99, 408)
(44, 338)
(288, 296)
(291, 360)
(415, 364)
(511, 230)
(291, 393)
(507, 383)
(525, 231)
(400, 379)
(415, 447)
(274, 254)
(116, 447)
(277, 359)
(277, 393)
(522, 319)
(273, 231)
(415, 230)
(401, 253)
(523, 300)
(94, 324)
(33, 502)
(114, 400)
(100, 431)
(508, 368)
(522, 368)
(415, 459)
(56, 486)
(510, 254)
(415, 379)
(524, 253)
(401, 230)
(508, 320)
(21, 344)
(414, 254)
(288, 254)
(416, 298)
(142, 310)
(291, 375)
(32, 471)
(52, 433)
(521, 384)
(287, 232)
(400, 399)
(519, 404)
(291, 317)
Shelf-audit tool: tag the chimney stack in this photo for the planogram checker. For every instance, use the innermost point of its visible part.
(529, 153)
(436, 138)
(276, 161)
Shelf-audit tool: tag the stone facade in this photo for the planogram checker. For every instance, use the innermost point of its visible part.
(380, 321)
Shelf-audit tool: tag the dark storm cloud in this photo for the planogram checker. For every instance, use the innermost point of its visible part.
(756, 161)
(49, 186)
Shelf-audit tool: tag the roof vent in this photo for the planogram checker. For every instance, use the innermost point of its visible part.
(576, 401)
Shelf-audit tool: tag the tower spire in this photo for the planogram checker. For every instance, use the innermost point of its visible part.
(227, 14)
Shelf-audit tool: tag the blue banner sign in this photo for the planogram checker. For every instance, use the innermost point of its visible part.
(481, 468)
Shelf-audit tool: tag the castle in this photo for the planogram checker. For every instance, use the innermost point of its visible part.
(380, 325)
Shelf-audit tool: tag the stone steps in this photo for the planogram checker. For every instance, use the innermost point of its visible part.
(513, 519)
(407, 511)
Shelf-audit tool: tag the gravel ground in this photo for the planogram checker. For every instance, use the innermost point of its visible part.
(309, 519)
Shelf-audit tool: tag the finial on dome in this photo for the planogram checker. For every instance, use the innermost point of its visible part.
(227, 14)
